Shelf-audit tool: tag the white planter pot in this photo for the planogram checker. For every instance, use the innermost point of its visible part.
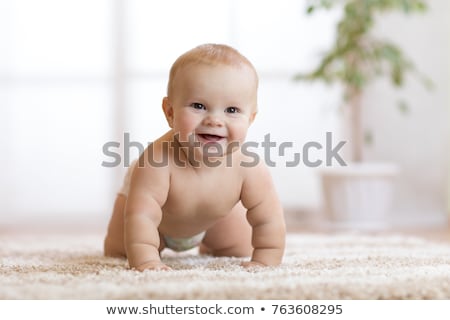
(359, 195)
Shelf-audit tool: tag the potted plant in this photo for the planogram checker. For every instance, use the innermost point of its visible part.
(355, 59)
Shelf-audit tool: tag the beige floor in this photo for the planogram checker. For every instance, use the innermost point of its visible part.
(301, 223)
(296, 222)
(441, 233)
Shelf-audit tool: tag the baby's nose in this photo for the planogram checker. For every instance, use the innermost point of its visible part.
(213, 121)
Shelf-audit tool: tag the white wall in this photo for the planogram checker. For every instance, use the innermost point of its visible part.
(418, 141)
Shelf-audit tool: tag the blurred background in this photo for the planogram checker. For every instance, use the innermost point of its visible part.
(76, 74)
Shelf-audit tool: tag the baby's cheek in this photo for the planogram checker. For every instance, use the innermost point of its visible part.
(185, 126)
(240, 133)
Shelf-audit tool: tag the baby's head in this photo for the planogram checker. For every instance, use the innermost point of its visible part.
(213, 55)
(211, 96)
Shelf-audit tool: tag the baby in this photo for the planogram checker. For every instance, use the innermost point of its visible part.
(194, 186)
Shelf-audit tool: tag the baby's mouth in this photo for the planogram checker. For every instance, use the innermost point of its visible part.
(205, 137)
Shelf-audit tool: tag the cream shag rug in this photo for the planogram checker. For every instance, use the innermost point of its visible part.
(338, 266)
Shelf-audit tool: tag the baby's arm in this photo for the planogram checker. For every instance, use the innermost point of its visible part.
(141, 234)
(265, 215)
(143, 215)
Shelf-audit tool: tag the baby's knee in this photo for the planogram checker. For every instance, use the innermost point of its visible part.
(238, 250)
(112, 248)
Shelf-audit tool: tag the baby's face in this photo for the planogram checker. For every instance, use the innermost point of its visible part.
(213, 105)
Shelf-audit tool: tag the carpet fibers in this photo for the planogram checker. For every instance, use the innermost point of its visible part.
(334, 266)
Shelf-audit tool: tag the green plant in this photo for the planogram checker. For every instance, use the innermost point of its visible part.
(357, 56)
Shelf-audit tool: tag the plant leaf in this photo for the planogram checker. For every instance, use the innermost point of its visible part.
(403, 107)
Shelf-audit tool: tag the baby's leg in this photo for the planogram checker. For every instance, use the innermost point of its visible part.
(114, 242)
(231, 236)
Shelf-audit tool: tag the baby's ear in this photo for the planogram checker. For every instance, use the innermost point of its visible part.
(253, 116)
(168, 111)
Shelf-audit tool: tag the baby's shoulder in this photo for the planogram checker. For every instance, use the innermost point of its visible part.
(249, 160)
(156, 155)
(252, 166)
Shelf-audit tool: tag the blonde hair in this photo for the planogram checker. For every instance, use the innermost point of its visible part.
(211, 54)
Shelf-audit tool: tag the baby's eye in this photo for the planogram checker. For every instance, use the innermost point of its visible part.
(231, 110)
(198, 106)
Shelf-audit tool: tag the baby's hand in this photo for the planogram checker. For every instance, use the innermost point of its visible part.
(252, 265)
(153, 265)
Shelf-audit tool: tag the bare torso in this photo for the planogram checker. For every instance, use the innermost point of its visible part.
(197, 198)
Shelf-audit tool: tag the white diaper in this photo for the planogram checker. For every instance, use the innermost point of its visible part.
(183, 244)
